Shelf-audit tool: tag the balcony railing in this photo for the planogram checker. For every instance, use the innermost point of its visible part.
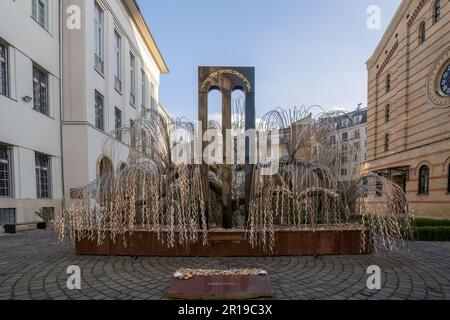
(98, 63)
(117, 83)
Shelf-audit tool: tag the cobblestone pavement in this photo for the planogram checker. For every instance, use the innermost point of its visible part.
(33, 266)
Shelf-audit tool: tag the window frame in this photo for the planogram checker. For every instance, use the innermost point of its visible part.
(387, 113)
(422, 32)
(36, 15)
(387, 142)
(6, 73)
(40, 194)
(152, 96)
(144, 90)
(445, 69)
(9, 163)
(448, 178)
(379, 186)
(99, 38)
(118, 123)
(45, 110)
(117, 61)
(388, 83)
(99, 125)
(133, 79)
(424, 185)
(437, 11)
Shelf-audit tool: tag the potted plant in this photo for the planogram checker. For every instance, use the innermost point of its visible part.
(46, 214)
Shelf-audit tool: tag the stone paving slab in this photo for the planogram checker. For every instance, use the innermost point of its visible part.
(33, 267)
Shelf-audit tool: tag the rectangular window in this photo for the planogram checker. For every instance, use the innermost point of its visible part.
(7, 216)
(98, 22)
(386, 142)
(118, 60)
(437, 11)
(3, 70)
(345, 136)
(99, 112)
(43, 182)
(387, 113)
(152, 93)
(118, 123)
(40, 90)
(143, 89)
(5, 171)
(40, 12)
(333, 140)
(132, 79)
(379, 187)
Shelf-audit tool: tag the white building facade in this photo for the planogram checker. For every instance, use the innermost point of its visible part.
(115, 59)
(63, 91)
(30, 126)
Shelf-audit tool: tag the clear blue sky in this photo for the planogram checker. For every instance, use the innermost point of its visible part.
(305, 52)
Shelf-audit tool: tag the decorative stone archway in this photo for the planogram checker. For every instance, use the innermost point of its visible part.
(226, 80)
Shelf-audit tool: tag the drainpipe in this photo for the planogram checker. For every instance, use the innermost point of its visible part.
(61, 13)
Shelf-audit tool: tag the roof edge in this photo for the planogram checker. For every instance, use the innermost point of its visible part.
(390, 29)
(144, 29)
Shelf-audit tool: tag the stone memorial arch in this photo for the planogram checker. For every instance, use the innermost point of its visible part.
(227, 80)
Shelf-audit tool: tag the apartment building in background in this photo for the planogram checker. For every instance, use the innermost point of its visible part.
(63, 91)
(408, 134)
(351, 137)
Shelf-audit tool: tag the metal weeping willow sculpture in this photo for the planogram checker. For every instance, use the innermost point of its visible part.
(308, 192)
(183, 202)
(147, 192)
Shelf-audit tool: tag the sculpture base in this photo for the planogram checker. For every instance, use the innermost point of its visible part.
(221, 288)
(231, 244)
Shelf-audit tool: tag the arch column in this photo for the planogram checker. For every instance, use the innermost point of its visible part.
(226, 79)
(250, 123)
(203, 117)
(227, 208)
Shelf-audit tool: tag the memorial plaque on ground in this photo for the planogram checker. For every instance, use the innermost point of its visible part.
(220, 287)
